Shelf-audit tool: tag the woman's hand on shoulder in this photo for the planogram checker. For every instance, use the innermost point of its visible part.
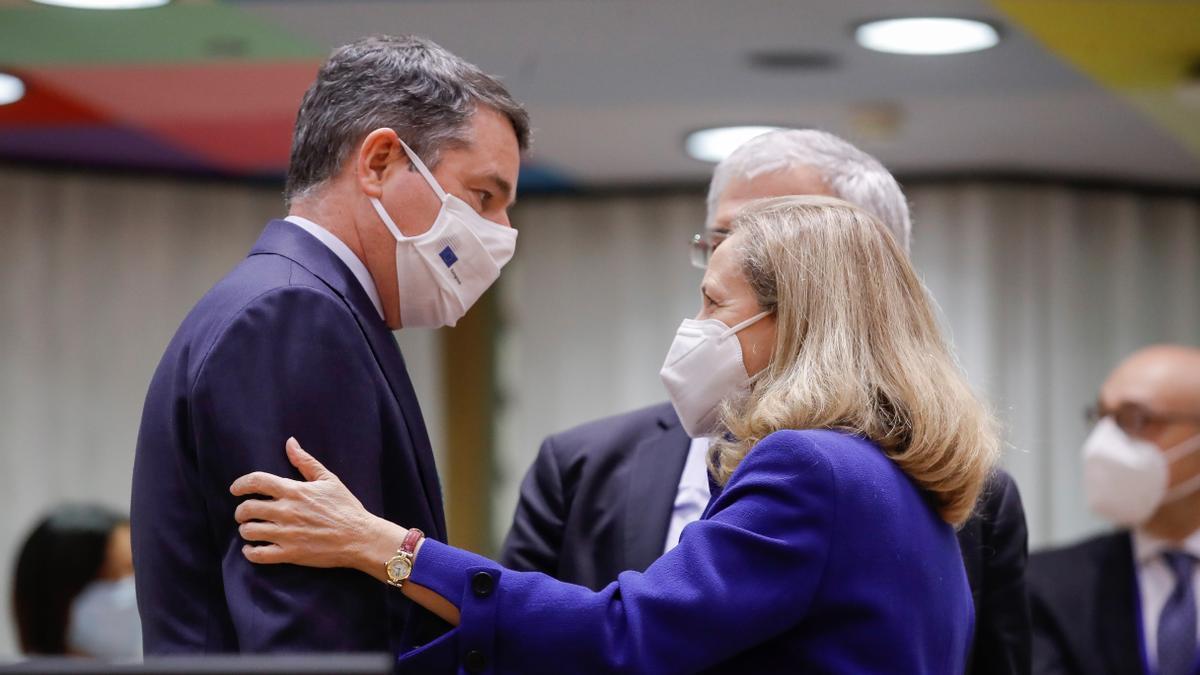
(316, 522)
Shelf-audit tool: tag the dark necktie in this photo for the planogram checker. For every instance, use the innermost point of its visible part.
(1177, 623)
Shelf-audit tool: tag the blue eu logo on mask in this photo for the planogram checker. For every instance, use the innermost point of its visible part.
(448, 257)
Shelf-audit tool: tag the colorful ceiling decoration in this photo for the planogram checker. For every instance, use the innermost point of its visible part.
(151, 88)
(1146, 51)
(210, 87)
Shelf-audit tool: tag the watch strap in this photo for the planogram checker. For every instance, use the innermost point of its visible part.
(411, 540)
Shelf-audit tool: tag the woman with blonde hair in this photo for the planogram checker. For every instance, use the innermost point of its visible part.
(851, 446)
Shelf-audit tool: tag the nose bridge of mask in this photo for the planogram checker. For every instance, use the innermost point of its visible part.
(688, 338)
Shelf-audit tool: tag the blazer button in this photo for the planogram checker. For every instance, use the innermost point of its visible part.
(475, 661)
(482, 583)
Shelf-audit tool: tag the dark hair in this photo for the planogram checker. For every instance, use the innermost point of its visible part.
(62, 555)
(408, 84)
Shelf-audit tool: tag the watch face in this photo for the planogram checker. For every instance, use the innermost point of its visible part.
(398, 568)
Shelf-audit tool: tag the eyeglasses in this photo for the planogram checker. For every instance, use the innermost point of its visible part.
(703, 245)
(1134, 418)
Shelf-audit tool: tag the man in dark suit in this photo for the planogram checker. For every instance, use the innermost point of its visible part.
(614, 494)
(1125, 602)
(297, 340)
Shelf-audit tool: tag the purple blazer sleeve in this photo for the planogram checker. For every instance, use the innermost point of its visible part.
(747, 573)
(292, 362)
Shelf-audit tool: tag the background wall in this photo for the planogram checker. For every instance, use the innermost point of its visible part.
(1043, 287)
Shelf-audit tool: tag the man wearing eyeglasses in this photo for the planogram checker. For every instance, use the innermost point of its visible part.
(615, 494)
(1126, 602)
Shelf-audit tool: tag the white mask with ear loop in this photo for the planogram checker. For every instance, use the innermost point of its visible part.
(443, 271)
(1126, 478)
(104, 621)
(703, 368)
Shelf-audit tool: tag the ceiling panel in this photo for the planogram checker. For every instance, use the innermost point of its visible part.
(163, 93)
(1082, 87)
(182, 32)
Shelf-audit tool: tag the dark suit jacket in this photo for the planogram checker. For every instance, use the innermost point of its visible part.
(598, 501)
(288, 343)
(1085, 609)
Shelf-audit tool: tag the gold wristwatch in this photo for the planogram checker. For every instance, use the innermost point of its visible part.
(399, 566)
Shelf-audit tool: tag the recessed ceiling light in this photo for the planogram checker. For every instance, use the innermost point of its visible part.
(12, 89)
(104, 4)
(927, 35)
(714, 145)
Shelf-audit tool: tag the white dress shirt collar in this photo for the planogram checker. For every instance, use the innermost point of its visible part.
(1156, 582)
(1147, 547)
(343, 252)
(692, 495)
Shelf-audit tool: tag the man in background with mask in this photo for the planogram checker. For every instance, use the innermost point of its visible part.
(615, 494)
(1126, 602)
(404, 163)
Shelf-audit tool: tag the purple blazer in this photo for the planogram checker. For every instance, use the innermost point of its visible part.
(819, 556)
(288, 343)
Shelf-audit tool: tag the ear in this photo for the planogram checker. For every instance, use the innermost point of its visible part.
(377, 154)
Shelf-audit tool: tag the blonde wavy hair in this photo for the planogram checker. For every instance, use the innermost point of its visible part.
(857, 349)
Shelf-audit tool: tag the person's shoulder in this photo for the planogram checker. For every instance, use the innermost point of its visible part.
(999, 507)
(1000, 484)
(1054, 569)
(264, 302)
(258, 280)
(854, 467)
(1088, 549)
(615, 433)
(838, 449)
(812, 453)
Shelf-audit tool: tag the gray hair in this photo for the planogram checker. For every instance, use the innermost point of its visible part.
(406, 83)
(852, 175)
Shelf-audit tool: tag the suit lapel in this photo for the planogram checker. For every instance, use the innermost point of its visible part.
(1118, 609)
(383, 343)
(288, 240)
(653, 482)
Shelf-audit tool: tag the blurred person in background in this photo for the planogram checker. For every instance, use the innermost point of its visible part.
(73, 590)
(853, 449)
(404, 163)
(1126, 602)
(614, 494)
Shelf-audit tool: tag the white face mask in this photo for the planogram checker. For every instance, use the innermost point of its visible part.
(1125, 478)
(105, 622)
(444, 271)
(703, 368)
